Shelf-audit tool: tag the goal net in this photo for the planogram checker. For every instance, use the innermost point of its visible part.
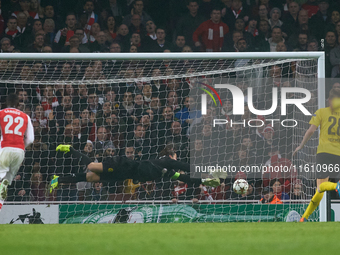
(135, 105)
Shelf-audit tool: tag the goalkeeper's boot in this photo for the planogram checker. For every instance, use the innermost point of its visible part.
(211, 182)
(337, 189)
(3, 191)
(63, 147)
(303, 219)
(54, 183)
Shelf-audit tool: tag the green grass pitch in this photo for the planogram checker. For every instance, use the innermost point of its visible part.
(191, 239)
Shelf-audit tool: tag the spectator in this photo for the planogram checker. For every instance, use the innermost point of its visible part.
(269, 142)
(38, 43)
(92, 18)
(122, 37)
(38, 187)
(269, 197)
(149, 191)
(172, 101)
(312, 45)
(261, 43)
(25, 6)
(97, 192)
(111, 30)
(302, 42)
(138, 7)
(115, 47)
(130, 152)
(337, 28)
(63, 36)
(211, 41)
(320, 20)
(241, 46)
(100, 43)
(335, 18)
(160, 44)
(281, 47)
(11, 31)
(298, 192)
(49, 102)
(141, 143)
(157, 86)
(136, 25)
(335, 61)
(6, 46)
(330, 44)
(23, 97)
(263, 12)
(251, 28)
(182, 191)
(127, 107)
(275, 15)
(79, 32)
(50, 14)
(237, 10)
(92, 35)
(151, 31)
(111, 96)
(103, 141)
(93, 103)
(188, 23)
(179, 44)
(276, 38)
(188, 113)
(136, 41)
(290, 21)
(118, 8)
(276, 186)
(49, 27)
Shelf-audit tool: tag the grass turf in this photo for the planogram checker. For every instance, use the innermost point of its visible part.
(195, 238)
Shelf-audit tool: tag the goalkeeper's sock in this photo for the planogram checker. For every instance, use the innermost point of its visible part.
(73, 178)
(84, 159)
(327, 186)
(186, 178)
(314, 203)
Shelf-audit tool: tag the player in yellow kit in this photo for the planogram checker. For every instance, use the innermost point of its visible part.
(328, 152)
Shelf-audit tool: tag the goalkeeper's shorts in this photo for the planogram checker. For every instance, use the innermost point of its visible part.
(327, 165)
(118, 168)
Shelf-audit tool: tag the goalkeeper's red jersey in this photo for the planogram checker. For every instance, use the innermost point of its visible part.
(16, 129)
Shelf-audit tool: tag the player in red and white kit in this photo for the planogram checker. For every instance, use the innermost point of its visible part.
(16, 134)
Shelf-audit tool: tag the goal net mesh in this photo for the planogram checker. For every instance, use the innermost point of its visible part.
(135, 108)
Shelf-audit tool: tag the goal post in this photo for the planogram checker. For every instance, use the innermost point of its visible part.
(181, 75)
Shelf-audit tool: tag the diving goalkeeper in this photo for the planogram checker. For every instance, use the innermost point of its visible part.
(328, 152)
(119, 168)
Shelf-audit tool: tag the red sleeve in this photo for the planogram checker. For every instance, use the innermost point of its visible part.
(198, 32)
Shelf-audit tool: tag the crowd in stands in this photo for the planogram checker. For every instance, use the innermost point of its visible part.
(138, 119)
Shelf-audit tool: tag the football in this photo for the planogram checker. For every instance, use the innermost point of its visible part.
(240, 186)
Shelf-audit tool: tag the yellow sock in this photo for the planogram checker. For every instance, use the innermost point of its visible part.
(314, 203)
(327, 186)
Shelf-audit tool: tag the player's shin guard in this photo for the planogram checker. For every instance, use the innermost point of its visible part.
(327, 186)
(73, 178)
(84, 159)
(314, 203)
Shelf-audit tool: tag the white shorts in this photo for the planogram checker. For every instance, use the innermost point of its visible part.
(10, 162)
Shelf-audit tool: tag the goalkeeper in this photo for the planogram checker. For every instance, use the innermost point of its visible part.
(328, 152)
(118, 168)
